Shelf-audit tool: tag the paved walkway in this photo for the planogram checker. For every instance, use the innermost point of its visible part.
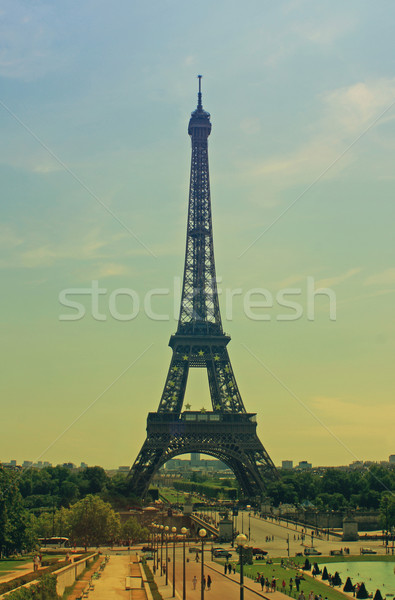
(223, 587)
(111, 584)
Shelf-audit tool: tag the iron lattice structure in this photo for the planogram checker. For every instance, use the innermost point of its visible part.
(228, 432)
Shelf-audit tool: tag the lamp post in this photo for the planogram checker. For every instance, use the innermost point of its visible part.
(161, 527)
(157, 545)
(184, 531)
(174, 531)
(167, 561)
(153, 545)
(202, 534)
(241, 541)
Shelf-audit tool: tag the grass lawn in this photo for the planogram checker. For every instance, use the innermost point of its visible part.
(309, 583)
(12, 564)
(173, 496)
(280, 573)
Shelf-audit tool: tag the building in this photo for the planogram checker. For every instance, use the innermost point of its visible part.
(195, 459)
(287, 464)
(304, 465)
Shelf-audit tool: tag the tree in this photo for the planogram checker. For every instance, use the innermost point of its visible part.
(93, 522)
(133, 531)
(387, 511)
(15, 522)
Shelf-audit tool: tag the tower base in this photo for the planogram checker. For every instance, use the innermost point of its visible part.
(230, 437)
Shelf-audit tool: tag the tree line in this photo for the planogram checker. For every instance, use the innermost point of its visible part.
(37, 503)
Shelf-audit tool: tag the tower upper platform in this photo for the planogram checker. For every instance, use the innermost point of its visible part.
(199, 123)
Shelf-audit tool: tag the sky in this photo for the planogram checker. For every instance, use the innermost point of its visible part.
(95, 99)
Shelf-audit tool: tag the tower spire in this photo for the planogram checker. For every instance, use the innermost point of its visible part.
(200, 92)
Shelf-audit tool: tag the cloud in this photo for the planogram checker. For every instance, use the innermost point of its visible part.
(346, 114)
(27, 253)
(332, 281)
(386, 277)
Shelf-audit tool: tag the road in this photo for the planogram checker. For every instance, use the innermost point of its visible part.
(259, 529)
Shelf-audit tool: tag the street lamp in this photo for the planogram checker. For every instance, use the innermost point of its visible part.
(153, 545)
(241, 541)
(161, 527)
(202, 534)
(167, 561)
(174, 531)
(184, 531)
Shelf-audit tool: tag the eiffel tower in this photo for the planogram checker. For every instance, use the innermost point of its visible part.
(227, 432)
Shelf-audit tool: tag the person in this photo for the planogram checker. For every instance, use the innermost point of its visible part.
(301, 596)
(283, 586)
(204, 582)
(234, 568)
(311, 595)
(226, 568)
(208, 582)
(291, 583)
(262, 582)
(194, 582)
(273, 584)
(35, 562)
(297, 582)
(197, 557)
(267, 584)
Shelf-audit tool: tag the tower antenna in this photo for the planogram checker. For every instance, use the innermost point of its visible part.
(200, 92)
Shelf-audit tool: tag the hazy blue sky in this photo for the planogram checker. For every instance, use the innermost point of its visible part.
(95, 99)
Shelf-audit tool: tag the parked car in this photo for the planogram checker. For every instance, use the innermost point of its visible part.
(367, 551)
(259, 551)
(222, 553)
(148, 549)
(194, 549)
(336, 552)
(311, 552)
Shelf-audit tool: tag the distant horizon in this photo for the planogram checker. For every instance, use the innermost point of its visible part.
(205, 457)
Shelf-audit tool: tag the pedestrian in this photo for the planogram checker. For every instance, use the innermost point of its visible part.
(301, 596)
(273, 584)
(194, 582)
(311, 595)
(291, 583)
(234, 568)
(267, 585)
(225, 568)
(204, 582)
(297, 582)
(208, 583)
(262, 582)
(283, 586)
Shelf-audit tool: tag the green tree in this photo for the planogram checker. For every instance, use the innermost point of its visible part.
(93, 522)
(15, 521)
(387, 511)
(133, 531)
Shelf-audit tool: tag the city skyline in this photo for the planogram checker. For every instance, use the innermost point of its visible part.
(94, 109)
